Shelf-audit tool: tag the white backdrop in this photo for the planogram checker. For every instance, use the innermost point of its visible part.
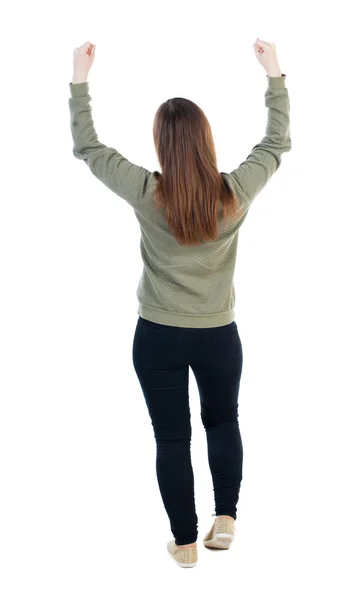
(79, 504)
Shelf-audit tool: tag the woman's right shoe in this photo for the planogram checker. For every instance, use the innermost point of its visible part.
(221, 534)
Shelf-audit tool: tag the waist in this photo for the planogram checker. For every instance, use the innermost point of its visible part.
(191, 320)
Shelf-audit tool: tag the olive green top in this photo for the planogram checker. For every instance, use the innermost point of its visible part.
(181, 285)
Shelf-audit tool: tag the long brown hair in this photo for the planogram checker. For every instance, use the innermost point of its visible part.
(190, 187)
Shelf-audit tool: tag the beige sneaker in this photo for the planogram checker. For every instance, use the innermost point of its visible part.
(184, 557)
(221, 534)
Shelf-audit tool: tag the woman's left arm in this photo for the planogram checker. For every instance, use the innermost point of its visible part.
(127, 180)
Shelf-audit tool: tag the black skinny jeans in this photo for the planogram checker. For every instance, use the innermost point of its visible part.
(162, 355)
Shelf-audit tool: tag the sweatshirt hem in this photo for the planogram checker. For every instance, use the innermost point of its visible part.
(165, 317)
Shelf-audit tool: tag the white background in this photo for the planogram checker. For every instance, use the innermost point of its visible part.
(80, 512)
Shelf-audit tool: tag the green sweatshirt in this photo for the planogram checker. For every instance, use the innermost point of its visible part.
(180, 285)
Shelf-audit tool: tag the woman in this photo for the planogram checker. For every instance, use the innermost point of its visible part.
(189, 215)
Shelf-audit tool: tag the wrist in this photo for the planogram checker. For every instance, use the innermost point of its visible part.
(274, 71)
(78, 78)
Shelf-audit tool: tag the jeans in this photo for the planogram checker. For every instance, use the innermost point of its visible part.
(162, 355)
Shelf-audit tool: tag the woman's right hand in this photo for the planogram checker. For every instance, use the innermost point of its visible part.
(265, 53)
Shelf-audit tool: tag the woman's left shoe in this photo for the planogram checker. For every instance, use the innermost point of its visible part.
(184, 557)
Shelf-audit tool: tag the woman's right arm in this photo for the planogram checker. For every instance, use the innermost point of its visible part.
(265, 158)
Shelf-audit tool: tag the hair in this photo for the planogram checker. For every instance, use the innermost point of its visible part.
(190, 187)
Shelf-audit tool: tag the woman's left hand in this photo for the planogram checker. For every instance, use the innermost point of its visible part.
(83, 58)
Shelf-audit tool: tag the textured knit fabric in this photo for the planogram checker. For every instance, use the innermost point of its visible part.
(180, 285)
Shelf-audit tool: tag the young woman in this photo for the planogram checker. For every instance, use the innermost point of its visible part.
(189, 216)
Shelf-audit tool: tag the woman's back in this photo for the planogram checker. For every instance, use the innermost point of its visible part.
(184, 285)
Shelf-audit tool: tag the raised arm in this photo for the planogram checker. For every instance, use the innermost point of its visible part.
(127, 180)
(265, 158)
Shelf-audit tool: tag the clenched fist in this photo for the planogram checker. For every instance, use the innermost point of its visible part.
(83, 58)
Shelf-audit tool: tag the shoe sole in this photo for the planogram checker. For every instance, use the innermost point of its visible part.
(220, 540)
(185, 565)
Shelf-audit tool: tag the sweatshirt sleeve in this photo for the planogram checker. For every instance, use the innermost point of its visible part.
(265, 158)
(127, 180)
